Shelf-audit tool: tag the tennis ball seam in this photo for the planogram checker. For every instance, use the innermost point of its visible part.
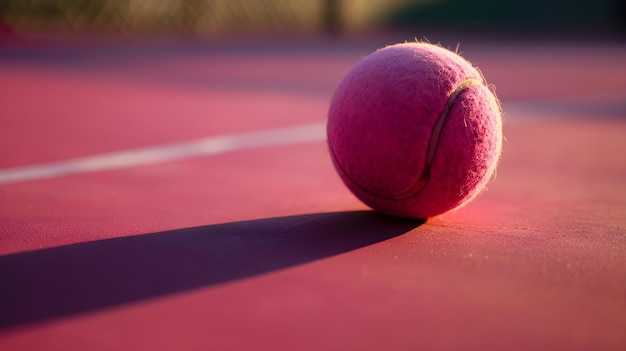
(434, 137)
(422, 180)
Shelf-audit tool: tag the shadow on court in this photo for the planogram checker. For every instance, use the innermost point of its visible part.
(77, 278)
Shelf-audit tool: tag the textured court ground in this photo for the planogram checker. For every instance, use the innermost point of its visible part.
(247, 239)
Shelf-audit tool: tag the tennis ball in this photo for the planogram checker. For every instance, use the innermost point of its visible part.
(414, 130)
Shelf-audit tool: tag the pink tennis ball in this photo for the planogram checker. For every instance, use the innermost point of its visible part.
(414, 130)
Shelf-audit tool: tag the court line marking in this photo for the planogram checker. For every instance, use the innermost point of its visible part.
(213, 145)
(612, 104)
(221, 144)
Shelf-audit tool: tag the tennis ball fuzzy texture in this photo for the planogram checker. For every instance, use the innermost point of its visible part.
(414, 130)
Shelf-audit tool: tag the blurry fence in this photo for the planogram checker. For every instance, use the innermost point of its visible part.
(201, 16)
(211, 17)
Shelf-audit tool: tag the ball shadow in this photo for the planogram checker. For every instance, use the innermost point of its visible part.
(72, 279)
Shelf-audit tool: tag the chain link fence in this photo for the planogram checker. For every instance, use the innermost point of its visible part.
(204, 17)
(195, 16)
(215, 17)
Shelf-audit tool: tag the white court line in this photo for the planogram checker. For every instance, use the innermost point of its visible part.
(590, 105)
(164, 153)
(272, 137)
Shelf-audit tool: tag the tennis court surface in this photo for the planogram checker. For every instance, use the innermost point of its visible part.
(179, 195)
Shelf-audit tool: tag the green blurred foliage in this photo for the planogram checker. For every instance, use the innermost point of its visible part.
(527, 14)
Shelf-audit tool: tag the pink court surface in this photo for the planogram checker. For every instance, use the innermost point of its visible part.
(179, 195)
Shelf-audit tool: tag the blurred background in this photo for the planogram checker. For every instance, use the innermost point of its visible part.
(209, 18)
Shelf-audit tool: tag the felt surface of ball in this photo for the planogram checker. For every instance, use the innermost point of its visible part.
(414, 130)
